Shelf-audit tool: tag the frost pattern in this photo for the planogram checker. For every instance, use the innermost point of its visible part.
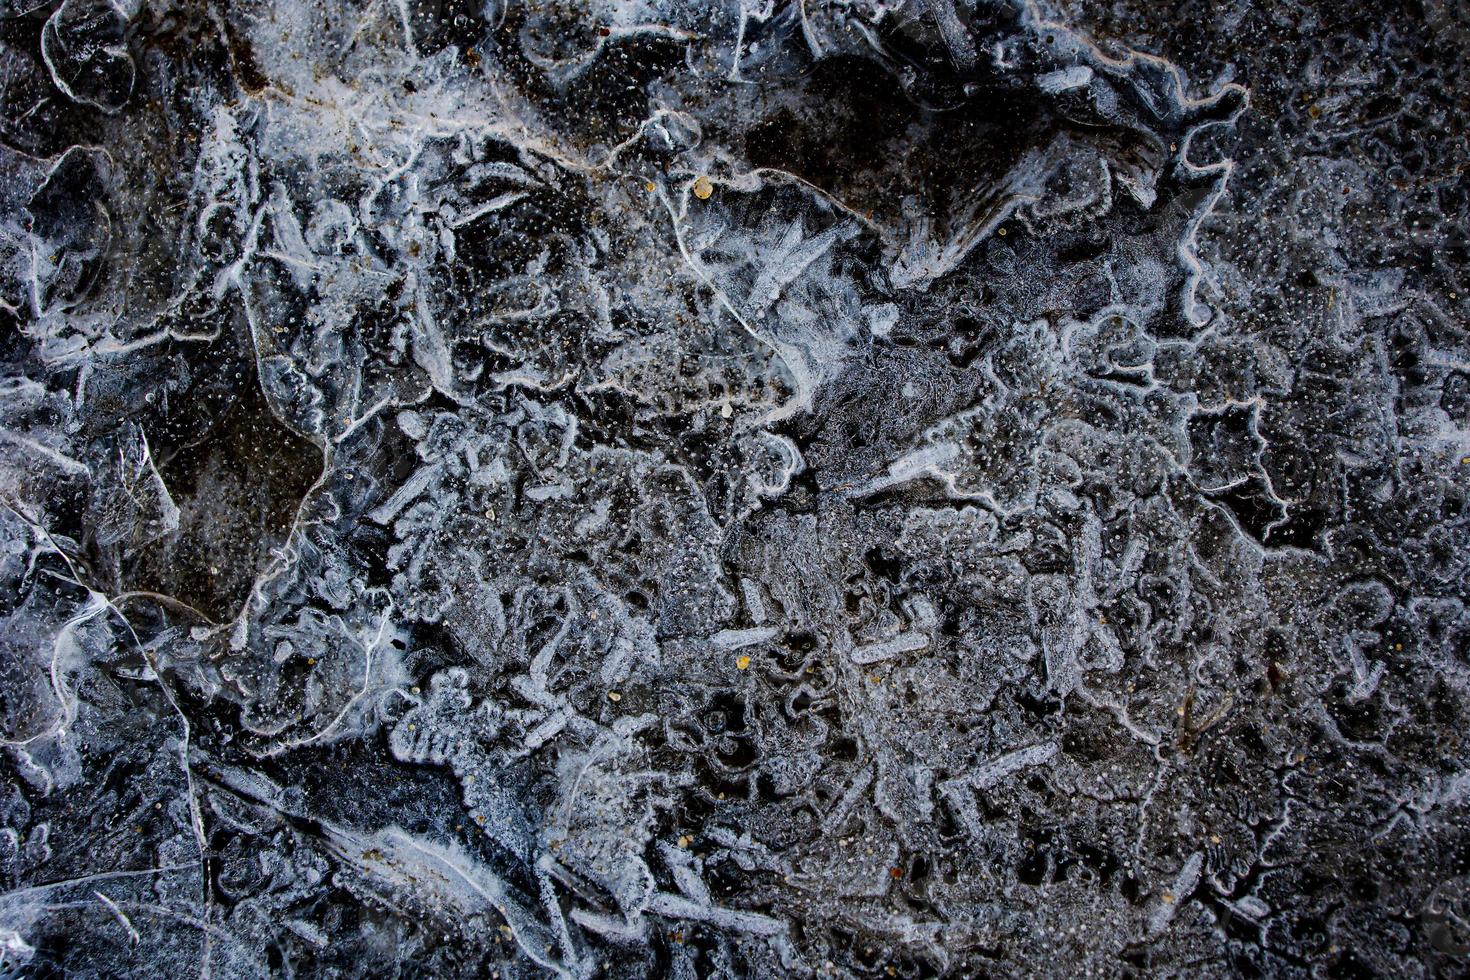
(633, 488)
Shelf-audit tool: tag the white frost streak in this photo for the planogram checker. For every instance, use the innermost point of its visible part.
(677, 907)
(1169, 902)
(415, 866)
(997, 770)
(739, 639)
(411, 488)
(902, 643)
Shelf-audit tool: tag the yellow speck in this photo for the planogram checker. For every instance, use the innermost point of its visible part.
(1001, 232)
(1168, 898)
(742, 662)
(311, 661)
(650, 186)
(614, 696)
(1315, 111)
(703, 188)
(685, 840)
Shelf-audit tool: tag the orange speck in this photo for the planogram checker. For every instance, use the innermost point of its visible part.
(703, 188)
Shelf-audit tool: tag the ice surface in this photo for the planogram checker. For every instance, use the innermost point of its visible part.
(734, 488)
